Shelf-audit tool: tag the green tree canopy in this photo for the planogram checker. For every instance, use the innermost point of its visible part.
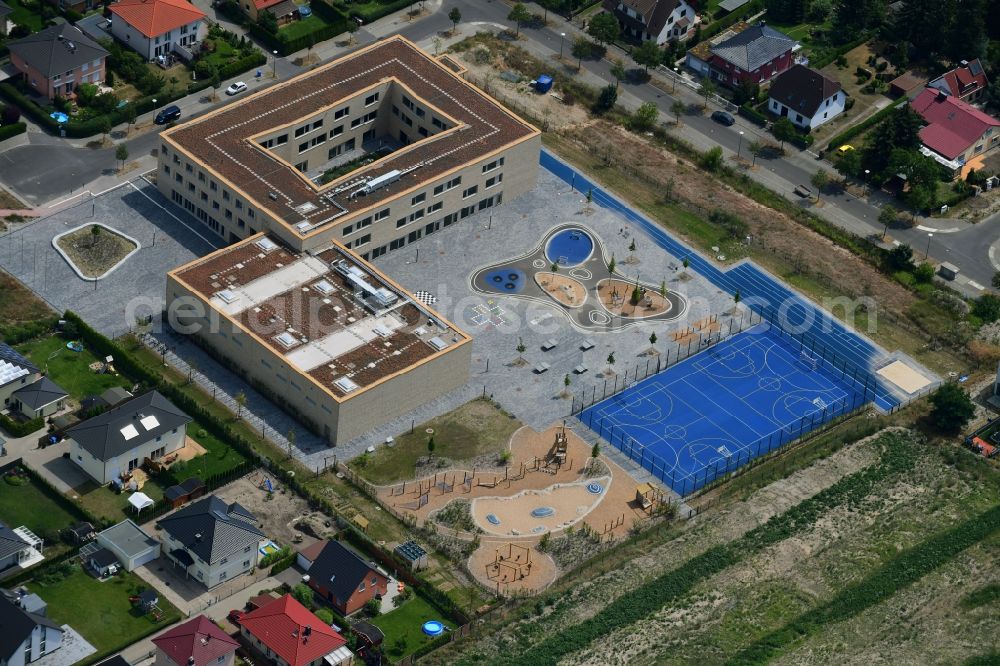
(951, 408)
(604, 28)
(648, 55)
(519, 14)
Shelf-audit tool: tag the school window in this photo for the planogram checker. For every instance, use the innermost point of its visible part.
(368, 135)
(239, 204)
(166, 169)
(420, 112)
(349, 144)
(282, 140)
(379, 251)
(267, 144)
(355, 122)
(364, 240)
(337, 131)
(490, 182)
(398, 243)
(407, 103)
(348, 229)
(450, 219)
(302, 166)
(365, 222)
(437, 123)
(418, 199)
(382, 214)
(371, 99)
(415, 235)
(416, 215)
(469, 191)
(395, 110)
(451, 184)
(179, 178)
(408, 120)
(467, 211)
(201, 176)
(340, 113)
(215, 204)
(401, 222)
(422, 131)
(436, 207)
(213, 186)
(225, 197)
(495, 164)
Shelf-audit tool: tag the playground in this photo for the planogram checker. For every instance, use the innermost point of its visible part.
(537, 511)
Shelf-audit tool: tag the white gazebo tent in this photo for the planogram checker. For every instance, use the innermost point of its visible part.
(140, 501)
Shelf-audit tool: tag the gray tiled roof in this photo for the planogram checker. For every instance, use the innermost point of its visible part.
(10, 542)
(102, 435)
(754, 47)
(41, 393)
(212, 529)
(339, 569)
(57, 49)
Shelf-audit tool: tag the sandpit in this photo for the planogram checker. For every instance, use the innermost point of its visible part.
(537, 511)
(904, 377)
(562, 289)
(616, 297)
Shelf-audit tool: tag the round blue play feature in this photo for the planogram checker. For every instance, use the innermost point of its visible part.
(542, 512)
(569, 247)
(305, 10)
(595, 488)
(505, 280)
(433, 628)
(492, 519)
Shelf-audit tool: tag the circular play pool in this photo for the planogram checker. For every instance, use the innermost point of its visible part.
(542, 512)
(569, 247)
(505, 280)
(433, 628)
(595, 488)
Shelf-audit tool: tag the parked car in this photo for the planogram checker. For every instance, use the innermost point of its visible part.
(724, 118)
(168, 115)
(236, 88)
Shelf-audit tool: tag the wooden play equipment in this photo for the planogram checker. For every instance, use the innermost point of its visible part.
(557, 454)
(512, 563)
(648, 496)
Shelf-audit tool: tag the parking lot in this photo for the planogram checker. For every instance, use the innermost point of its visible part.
(167, 236)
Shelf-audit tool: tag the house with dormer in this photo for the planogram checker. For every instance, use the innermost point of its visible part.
(661, 21)
(56, 60)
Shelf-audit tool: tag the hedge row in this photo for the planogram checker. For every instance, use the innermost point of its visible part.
(244, 64)
(870, 121)
(336, 23)
(17, 333)
(898, 456)
(753, 115)
(7, 131)
(369, 14)
(20, 428)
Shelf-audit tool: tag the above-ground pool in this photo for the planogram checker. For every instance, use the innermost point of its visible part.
(569, 247)
(505, 280)
(433, 628)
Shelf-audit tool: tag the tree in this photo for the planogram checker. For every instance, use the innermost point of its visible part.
(595, 450)
(852, 17)
(546, 6)
(819, 180)
(268, 22)
(566, 382)
(737, 297)
(648, 55)
(611, 361)
(849, 164)
(606, 100)
(121, 154)
(520, 350)
(604, 28)
(755, 148)
(373, 607)
(303, 594)
(455, 16)
(582, 48)
(611, 265)
(519, 14)
(686, 262)
(678, 108)
(290, 438)
(241, 402)
(95, 233)
(783, 130)
(130, 112)
(899, 258)
(644, 117)
(430, 447)
(924, 273)
(951, 408)
(996, 280)
(663, 288)
(706, 89)
(618, 71)
(901, 129)
(987, 308)
(105, 129)
(886, 217)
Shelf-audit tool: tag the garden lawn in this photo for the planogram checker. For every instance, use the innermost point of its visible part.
(108, 505)
(219, 458)
(101, 611)
(31, 18)
(32, 505)
(70, 369)
(404, 624)
(301, 28)
(476, 428)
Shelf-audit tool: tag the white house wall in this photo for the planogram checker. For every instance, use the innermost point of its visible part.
(146, 46)
(105, 471)
(831, 107)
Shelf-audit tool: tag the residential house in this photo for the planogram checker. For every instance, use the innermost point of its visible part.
(5, 12)
(755, 54)
(211, 540)
(40, 399)
(284, 11)
(18, 547)
(117, 441)
(197, 642)
(26, 635)
(658, 20)
(966, 82)
(956, 131)
(16, 372)
(57, 59)
(154, 27)
(341, 576)
(287, 634)
(805, 97)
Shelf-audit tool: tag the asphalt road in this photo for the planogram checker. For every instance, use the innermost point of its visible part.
(51, 168)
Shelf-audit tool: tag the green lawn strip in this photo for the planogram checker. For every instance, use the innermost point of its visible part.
(101, 610)
(29, 505)
(302, 27)
(70, 369)
(21, 15)
(476, 428)
(899, 454)
(985, 659)
(402, 626)
(902, 570)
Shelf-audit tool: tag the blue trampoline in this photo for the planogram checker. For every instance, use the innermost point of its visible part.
(719, 409)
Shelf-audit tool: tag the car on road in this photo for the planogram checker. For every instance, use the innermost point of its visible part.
(168, 115)
(236, 88)
(724, 118)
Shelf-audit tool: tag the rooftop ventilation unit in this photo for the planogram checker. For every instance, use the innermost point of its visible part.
(306, 208)
(303, 226)
(381, 296)
(273, 196)
(377, 183)
(323, 287)
(382, 331)
(228, 296)
(266, 244)
(287, 340)
(345, 384)
(437, 343)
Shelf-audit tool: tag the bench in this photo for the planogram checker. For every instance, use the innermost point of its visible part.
(551, 343)
(580, 369)
(542, 367)
(587, 345)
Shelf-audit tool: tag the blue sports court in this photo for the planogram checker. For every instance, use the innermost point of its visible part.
(722, 407)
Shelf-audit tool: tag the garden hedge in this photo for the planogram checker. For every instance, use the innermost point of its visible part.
(7, 131)
(369, 14)
(857, 129)
(20, 428)
(715, 27)
(753, 115)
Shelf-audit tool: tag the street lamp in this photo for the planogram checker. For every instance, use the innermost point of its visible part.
(739, 146)
(677, 75)
(928, 250)
(562, 40)
(274, 64)
(868, 173)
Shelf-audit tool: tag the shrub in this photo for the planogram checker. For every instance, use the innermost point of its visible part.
(20, 428)
(7, 131)
(373, 607)
(10, 115)
(711, 159)
(303, 594)
(606, 100)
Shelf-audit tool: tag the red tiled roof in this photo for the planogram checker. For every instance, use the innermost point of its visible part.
(155, 17)
(963, 80)
(281, 625)
(199, 638)
(264, 4)
(952, 125)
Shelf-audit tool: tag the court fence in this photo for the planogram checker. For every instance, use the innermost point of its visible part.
(693, 341)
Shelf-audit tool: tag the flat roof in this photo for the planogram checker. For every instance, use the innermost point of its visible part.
(222, 141)
(128, 537)
(327, 312)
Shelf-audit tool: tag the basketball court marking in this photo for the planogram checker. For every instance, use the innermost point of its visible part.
(718, 410)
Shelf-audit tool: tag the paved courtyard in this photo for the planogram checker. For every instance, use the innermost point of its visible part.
(167, 235)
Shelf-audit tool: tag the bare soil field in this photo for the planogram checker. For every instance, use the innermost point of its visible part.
(278, 511)
(19, 305)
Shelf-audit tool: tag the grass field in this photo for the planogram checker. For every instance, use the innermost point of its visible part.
(476, 428)
(70, 369)
(31, 505)
(19, 305)
(402, 626)
(101, 611)
(106, 503)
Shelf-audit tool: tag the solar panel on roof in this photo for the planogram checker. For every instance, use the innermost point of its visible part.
(9, 372)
